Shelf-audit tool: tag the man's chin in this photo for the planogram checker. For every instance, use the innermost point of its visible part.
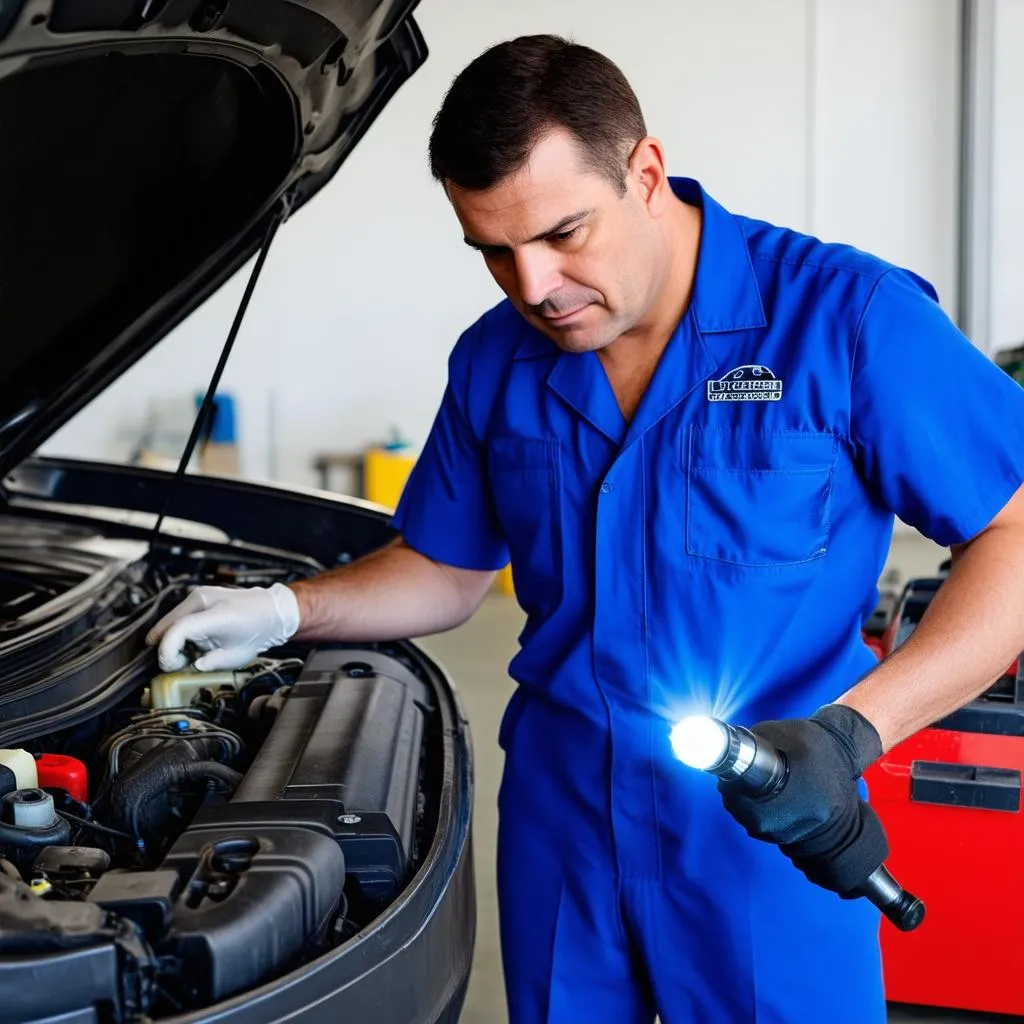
(569, 341)
(574, 338)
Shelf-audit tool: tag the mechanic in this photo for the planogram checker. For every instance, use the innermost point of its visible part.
(690, 432)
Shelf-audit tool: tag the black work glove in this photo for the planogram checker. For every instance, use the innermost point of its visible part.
(817, 818)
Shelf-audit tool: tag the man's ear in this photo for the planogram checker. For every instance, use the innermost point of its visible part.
(647, 174)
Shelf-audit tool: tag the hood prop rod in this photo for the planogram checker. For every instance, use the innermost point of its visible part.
(279, 215)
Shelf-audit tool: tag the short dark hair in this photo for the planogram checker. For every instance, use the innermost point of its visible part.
(502, 103)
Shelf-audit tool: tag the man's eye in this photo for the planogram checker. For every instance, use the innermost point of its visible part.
(564, 236)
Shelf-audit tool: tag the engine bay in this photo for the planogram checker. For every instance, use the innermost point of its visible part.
(168, 840)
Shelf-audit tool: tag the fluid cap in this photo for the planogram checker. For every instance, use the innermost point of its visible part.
(29, 808)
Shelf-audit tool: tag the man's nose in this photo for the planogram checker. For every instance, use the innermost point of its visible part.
(537, 274)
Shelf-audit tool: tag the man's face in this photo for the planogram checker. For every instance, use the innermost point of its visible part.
(575, 257)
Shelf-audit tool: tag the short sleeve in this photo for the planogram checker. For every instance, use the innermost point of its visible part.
(938, 428)
(446, 511)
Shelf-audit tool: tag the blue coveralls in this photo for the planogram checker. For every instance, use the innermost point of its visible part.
(718, 553)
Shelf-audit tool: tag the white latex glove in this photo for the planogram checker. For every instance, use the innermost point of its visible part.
(233, 625)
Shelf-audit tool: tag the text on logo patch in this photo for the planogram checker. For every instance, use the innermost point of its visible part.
(746, 384)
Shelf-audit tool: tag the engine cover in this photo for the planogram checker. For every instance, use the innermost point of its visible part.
(343, 758)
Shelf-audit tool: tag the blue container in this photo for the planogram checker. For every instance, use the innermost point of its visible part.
(222, 428)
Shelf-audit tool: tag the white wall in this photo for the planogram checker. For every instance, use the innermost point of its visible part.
(886, 131)
(1006, 310)
(828, 116)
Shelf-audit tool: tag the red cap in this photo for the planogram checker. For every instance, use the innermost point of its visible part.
(62, 772)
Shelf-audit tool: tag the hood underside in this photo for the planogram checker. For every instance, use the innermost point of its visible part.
(145, 146)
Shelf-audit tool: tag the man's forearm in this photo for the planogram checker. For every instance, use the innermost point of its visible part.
(973, 629)
(388, 595)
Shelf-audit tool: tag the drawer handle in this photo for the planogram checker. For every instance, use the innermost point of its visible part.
(965, 785)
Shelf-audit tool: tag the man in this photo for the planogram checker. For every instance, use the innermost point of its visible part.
(690, 430)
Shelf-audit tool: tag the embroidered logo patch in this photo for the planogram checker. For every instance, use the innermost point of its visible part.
(746, 384)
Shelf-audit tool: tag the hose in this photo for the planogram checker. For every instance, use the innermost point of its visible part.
(200, 770)
(154, 726)
(168, 764)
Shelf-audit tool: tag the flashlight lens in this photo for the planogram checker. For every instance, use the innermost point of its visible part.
(699, 741)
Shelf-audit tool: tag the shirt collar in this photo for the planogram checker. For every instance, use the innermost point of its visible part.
(725, 292)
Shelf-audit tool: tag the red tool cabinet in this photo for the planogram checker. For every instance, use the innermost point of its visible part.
(950, 800)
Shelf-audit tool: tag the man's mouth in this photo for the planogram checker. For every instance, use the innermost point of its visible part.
(564, 318)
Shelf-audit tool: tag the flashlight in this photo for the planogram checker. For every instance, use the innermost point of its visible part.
(738, 757)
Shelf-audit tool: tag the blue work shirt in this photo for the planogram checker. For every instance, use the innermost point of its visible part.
(721, 551)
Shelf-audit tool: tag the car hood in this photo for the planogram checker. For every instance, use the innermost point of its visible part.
(145, 147)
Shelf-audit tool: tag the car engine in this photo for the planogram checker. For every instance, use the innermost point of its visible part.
(170, 840)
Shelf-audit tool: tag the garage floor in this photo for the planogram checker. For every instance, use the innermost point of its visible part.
(477, 655)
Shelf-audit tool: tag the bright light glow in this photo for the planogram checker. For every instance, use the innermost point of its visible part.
(699, 741)
(684, 693)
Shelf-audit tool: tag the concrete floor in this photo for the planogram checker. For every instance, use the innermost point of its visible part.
(476, 656)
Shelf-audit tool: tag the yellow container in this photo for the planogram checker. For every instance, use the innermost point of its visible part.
(504, 581)
(384, 477)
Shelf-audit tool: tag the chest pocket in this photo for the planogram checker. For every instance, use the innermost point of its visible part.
(758, 498)
(525, 476)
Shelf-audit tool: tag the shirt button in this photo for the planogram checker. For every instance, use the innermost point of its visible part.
(607, 488)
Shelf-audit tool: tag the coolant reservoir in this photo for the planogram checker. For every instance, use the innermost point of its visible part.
(17, 771)
(176, 689)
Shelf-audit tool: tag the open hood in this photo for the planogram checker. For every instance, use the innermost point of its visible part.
(145, 146)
